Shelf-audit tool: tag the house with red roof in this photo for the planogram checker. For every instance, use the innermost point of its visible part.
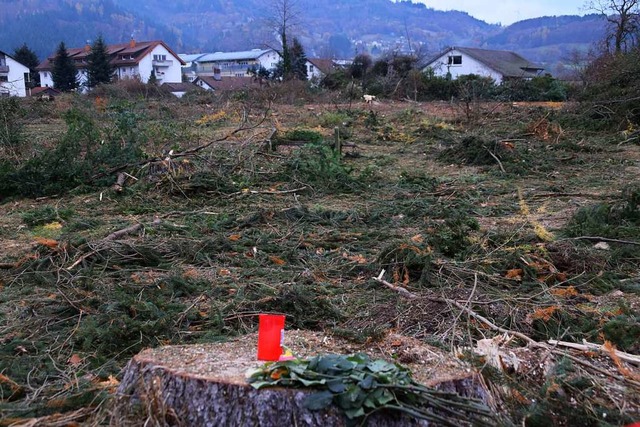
(133, 60)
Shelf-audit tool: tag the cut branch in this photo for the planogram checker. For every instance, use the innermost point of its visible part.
(530, 341)
(399, 289)
(497, 160)
(606, 239)
(587, 346)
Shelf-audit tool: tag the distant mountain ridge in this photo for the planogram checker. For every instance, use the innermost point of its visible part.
(327, 28)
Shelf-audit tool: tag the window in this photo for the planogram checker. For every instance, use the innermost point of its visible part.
(455, 60)
(159, 57)
(4, 79)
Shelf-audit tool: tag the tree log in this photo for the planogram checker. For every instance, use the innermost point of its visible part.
(205, 385)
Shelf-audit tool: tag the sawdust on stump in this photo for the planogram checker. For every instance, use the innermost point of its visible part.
(206, 384)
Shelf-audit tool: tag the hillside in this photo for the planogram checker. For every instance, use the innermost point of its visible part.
(337, 28)
(543, 39)
(44, 24)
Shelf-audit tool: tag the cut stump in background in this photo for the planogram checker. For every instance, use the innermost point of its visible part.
(205, 385)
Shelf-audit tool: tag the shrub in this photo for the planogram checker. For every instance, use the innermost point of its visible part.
(80, 157)
(332, 119)
(319, 165)
(612, 220)
(541, 88)
(44, 215)
(611, 93)
(11, 127)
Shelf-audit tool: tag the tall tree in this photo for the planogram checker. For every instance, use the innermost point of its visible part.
(284, 19)
(360, 68)
(623, 17)
(99, 68)
(27, 57)
(298, 60)
(64, 70)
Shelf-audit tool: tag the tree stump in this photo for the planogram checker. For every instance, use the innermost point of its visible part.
(205, 385)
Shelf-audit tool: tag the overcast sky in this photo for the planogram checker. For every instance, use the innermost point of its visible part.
(509, 11)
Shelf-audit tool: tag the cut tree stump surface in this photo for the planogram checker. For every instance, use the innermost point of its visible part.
(205, 385)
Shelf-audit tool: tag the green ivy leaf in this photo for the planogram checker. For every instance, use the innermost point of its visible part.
(354, 413)
(336, 386)
(260, 384)
(317, 401)
(309, 383)
(385, 397)
(380, 366)
(328, 363)
(367, 382)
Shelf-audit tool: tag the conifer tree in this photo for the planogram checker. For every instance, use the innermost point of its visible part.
(153, 79)
(99, 69)
(28, 58)
(64, 70)
(298, 60)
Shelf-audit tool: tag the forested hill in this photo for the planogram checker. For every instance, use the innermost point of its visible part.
(43, 24)
(326, 27)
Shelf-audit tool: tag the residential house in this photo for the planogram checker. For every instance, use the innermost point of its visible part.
(133, 60)
(44, 93)
(500, 65)
(179, 89)
(318, 69)
(228, 64)
(13, 76)
(227, 83)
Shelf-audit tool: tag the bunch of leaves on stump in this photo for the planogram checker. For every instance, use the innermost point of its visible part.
(361, 386)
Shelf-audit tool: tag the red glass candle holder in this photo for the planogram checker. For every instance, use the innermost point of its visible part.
(270, 333)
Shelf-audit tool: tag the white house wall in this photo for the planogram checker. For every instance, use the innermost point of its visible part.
(46, 78)
(269, 60)
(469, 66)
(313, 72)
(15, 84)
(172, 73)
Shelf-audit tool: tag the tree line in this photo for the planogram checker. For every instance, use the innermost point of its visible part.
(64, 71)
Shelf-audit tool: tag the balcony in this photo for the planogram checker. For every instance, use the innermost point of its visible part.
(165, 63)
(4, 69)
(223, 68)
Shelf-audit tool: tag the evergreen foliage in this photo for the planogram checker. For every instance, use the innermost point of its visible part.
(28, 57)
(64, 70)
(293, 65)
(99, 69)
(259, 72)
(83, 153)
(153, 79)
(298, 60)
(11, 125)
